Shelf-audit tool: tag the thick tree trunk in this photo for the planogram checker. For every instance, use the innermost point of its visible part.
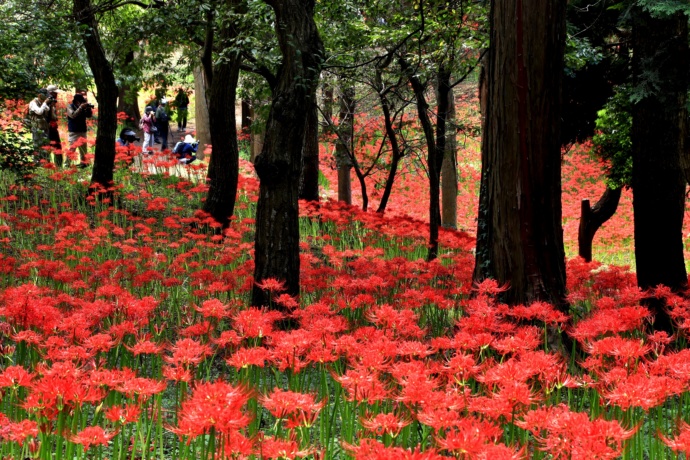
(343, 148)
(593, 217)
(278, 166)
(127, 98)
(246, 122)
(309, 189)
(519, 232)
(449, 171)
(660, 47)
(201, 121)
(104, 78)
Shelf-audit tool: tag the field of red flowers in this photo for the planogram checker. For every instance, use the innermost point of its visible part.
(126, 333)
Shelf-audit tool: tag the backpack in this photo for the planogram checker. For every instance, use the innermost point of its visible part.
(141, 123)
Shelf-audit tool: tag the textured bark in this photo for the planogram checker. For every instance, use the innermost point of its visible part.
(246, 110)
(343, 148)
(223, 168)
(103, 76)
(201, 121)
(660, 47)
(278, 166)
(309, 189)
(127, 97)
(593, 217)
(519, 233)
(449, 171)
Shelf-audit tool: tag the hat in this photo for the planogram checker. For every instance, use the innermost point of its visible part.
(164, 101)
(43, 92)
(189, 139)
(52, 89)
(149, 109)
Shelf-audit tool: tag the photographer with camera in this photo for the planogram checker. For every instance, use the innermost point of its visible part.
(38, 112)
(77, 113)
(53, 133)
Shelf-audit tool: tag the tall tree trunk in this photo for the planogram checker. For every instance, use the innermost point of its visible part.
(449, 170)
(102, 70)
(309, 189)
(246, 122)
(343, 148)
(660, 50)
(276, 250)
(392, 135)
(519, 232)
(201, 121)
(593, 217)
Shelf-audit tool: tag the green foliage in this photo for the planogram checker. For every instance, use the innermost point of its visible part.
(612, 141)
(16, 154)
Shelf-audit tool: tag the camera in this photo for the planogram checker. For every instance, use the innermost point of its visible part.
(51, 100)
(88, 105)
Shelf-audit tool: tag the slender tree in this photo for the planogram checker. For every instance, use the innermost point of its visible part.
(519, 234)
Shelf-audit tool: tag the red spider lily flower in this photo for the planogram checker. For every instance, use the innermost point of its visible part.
(213, 308)
(218, 405)
(524, 339)
(643, 391)
(145, 347)
(92, 436)
(141, 386)
(490, 287)
(245, 357)
(19, 431)
(625, 351)
(301, 409)
(228, 338)
(540, 311)
(469, 437)
(177, 374)
(289, 349)
(271, 285)
(287, 301)
(188, 352)
(371, 449)
(15, 377)
(255, 322)
(362, 385)
(271, 448)
(681, 442)
(129, 413)
(384, 423)
(617, 320)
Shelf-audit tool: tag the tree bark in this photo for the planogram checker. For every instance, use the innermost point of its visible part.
(127, 98)
(104, 162)
(593, 217)
(519, 232)
(276, 252)
(201, 121)
(246, 122)
(660, 47)
(309, 189)
(343, 148)
(223, 168)
(392, 135)
(449, 171)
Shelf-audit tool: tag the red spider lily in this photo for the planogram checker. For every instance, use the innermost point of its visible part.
(145, 347)
(280, 449)
(681, 442)
(370, 449)
(271, 285)
(255, 322)
(300, 409)
(213, 308)
(610, 321)
(362, 385)
(92, 436)
(188, 352)
(17, 432)
(245, 357)
(625, 351)
(15, 377)
(643, 391)
(468, 437)
(129, 413)
(140, 386)
(218, 405)
(381, 423)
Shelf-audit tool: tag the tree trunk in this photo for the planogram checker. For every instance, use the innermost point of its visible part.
(201, 121)
(591, 218)
(449, 171)
(660, 49)
(519, 232)
(343, 148)
(392, 135)
(127, 98)
(246, 122)
(278, 166)
(104, 78)
(309, 189)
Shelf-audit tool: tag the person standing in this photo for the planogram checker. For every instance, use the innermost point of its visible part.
(53, 133)
(148, 124)
(163, 123)
(77, 113)
(39, 110)
(182, 103)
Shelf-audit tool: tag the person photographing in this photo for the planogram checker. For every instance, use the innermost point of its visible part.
(77, 113)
